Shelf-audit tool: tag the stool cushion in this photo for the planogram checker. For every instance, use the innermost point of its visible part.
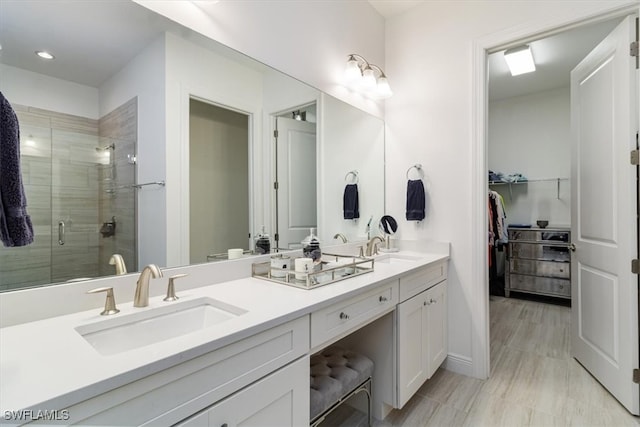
(334, 373)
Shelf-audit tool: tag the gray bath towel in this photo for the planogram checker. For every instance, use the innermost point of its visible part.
(15, 223)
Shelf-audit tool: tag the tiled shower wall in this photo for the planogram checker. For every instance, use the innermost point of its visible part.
(117, 196)
(60, 170)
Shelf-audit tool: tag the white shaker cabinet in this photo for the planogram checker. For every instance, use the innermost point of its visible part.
(280, 399)
(422, 339)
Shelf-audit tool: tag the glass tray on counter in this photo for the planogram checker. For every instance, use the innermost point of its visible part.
(350, 266)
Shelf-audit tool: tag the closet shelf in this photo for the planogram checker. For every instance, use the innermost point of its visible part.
(557, 180)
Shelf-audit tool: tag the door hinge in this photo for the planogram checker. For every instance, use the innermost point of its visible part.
(275, 185)
(277, 237)
(636, 376)
(275, 133)
(633, 49)
(635, 266)
(635, 157)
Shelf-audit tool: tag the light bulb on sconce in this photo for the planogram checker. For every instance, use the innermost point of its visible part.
(360, 76)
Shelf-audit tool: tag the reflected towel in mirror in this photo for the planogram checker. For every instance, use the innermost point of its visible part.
(350, 202)
(15, 224)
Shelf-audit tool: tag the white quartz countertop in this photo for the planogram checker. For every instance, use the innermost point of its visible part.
(48, 365)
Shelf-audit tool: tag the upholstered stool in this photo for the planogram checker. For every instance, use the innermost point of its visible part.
(336, 375)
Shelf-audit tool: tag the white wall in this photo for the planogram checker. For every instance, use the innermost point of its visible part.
(531, 135)
(429, 53)
(144, 77)
(38, 90)
(308, 40)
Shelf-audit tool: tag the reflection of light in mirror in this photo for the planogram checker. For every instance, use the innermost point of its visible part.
(30, 142)
(44, 54)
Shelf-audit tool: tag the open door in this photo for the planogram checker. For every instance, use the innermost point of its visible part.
(296, 181)
(604, 316)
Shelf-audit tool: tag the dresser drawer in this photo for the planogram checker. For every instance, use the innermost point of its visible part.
(560, 270)
(335, 321)
(540, 285)
(540, 251)
(537, 235)
(416, 282)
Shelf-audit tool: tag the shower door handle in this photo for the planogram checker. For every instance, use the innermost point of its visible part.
(61, 232)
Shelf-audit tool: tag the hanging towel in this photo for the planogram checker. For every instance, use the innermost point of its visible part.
(15, 224)
(350, 204)
(415, 200)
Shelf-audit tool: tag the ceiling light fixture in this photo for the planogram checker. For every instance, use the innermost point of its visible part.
(520, 60)
(44, 54)
(360, 75)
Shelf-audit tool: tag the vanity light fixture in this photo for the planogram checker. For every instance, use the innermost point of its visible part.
(520, 60)
(360, 75)
(44, 54)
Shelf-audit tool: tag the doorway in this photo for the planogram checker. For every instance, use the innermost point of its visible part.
(487, 45)
(295, 184)
(219, 208)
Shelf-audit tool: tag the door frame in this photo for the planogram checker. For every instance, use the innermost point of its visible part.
(482, 47)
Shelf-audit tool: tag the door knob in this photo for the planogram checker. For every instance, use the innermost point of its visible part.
(572, 247)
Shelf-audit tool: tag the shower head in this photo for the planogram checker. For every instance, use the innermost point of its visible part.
(106, 147)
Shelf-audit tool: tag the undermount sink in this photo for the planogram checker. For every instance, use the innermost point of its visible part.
(119, 334)
(395, 258)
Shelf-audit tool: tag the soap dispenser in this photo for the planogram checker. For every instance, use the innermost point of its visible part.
(311, 248)
(263, 244)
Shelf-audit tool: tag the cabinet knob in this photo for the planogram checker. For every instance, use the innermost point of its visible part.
(382, 298)
(344, 315)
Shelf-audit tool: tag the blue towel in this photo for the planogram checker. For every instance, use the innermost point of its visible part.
(350, 204)
(15, 224)
(415, 200)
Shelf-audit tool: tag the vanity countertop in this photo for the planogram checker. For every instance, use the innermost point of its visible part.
(47, 364)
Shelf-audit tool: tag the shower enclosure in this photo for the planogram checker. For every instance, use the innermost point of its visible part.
(78, 176)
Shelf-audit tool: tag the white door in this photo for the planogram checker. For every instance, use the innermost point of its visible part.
(604, 316)
(296, 177)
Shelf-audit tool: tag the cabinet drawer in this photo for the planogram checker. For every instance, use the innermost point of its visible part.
(414, 283)
(540, 285)
(540, 251)
(175, 393)
(561, 270)
(335, 321)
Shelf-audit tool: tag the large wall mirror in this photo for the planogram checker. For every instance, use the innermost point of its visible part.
(146, 139)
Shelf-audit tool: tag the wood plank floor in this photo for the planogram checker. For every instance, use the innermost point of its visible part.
(534, 381)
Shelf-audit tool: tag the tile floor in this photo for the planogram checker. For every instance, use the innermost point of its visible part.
(534, 381)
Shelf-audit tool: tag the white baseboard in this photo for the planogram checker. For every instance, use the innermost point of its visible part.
(458, 364)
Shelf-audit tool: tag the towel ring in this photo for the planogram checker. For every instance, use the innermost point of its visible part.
(355, 176)
(417, 166)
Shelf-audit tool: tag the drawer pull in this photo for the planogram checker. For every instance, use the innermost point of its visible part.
(382, 298)
(343, 315)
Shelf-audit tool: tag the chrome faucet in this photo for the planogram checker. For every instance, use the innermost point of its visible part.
(341, 236)
(372, 246)
(141, 298)
(118, 262)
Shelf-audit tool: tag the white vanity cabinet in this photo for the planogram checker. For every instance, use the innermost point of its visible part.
(244, 367)
(421, 329)
(281, 399)
(344, 317)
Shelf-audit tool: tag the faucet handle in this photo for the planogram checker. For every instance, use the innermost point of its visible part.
(171, 289)
(110, 303)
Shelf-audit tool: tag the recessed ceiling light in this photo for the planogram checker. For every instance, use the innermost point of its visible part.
(44, 54)
(520, 60)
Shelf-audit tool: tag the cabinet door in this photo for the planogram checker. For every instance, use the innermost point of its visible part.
(436, 308)
(280, 399)
(412, 346)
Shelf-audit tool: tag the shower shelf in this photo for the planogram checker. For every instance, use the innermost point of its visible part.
(136, 186)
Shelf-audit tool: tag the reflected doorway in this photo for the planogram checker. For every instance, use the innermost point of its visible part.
(219, 208)
(295, 185)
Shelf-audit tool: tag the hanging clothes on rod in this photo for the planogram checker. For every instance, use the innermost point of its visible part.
(497, 216)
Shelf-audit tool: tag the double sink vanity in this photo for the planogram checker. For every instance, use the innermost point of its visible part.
(227, 353)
